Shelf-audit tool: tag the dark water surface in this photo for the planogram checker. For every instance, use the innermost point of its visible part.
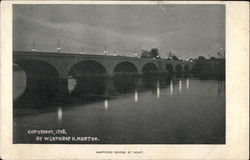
(174, 111)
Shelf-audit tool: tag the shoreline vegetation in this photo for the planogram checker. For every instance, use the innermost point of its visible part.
(209, 68)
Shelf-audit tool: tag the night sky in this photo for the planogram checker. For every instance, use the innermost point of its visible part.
(185, 30)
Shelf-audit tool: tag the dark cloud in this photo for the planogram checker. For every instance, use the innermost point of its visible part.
(186, 30)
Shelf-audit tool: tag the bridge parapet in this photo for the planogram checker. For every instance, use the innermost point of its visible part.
(63, 62)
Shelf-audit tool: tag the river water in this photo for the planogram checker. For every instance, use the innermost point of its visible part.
(177, 111)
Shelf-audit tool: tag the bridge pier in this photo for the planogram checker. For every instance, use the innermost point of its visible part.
(109, 87)
(63, 93)
(138, 83)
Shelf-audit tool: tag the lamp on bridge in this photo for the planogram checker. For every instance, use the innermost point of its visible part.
(33, 47)
(58, 49)
(105, 51)
(114, 53)
(82, 51)
(58, 46)
(136, 54)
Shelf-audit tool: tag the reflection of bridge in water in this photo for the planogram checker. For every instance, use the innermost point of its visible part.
(48, 73)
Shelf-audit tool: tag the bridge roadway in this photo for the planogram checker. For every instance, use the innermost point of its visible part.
(62, 63)
(49, 71)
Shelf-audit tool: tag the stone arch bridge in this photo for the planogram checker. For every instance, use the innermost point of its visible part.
(50, 71)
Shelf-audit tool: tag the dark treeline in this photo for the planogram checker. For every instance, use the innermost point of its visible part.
(153, 53)
(209, 68)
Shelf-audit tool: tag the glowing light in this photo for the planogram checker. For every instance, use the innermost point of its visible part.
(187, 83)
(158, 89)
(180, 86)
(71, 84)
(136, 96)
(59, 116)
(106, 104)
(171, 88)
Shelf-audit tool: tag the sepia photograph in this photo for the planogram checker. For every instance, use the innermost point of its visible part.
(119, 74)
(124, 80)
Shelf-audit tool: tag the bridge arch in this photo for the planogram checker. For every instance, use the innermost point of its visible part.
(186, 68)
(169, 69)
(178, 68)
(124, 79)
(90, 77)
(149, 68)
(42, 82)
(150, 75)
(87, 67)
(19, 81)
(125, 67)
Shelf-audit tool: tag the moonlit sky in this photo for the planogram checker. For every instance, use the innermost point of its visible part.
(185, 30)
